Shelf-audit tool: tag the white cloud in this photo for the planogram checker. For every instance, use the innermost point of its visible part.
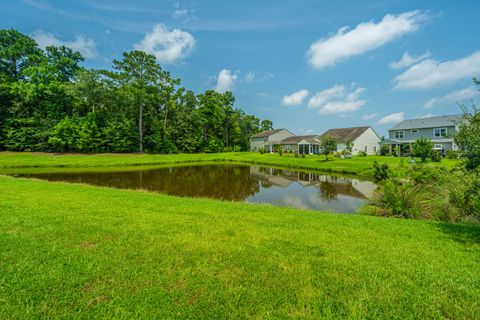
(431, 73)
(178, 13)
(407, 60)
(337, 100)
(369, 116)
(86, 46)
(453, 97)
(225, 81)
(295, 98)
(363, 38)
(392, 118)
(252, 76)
(167, 46)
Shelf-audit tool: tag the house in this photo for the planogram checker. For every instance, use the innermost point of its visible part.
(437, 129)
(360, 139)
(269, 139)
(302, 144)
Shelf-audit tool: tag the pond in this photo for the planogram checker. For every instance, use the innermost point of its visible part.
(235, 182)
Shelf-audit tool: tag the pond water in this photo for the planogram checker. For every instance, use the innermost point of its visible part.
(236, 182)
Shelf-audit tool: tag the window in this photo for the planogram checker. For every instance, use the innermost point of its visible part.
(374, 149)
(366, 149)
(439, 132)
(414, 131)
(398, 134)
(286, 148)
(438, 146)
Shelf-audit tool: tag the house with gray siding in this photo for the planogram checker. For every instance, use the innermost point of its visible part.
(437, 129)
(269, 139)
(301, 144)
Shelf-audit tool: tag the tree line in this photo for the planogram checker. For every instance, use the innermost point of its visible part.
(50, 102)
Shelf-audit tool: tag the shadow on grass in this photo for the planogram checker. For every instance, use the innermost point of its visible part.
(464, 233)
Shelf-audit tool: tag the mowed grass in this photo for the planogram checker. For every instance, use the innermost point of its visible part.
(83, 252)
(13, 162)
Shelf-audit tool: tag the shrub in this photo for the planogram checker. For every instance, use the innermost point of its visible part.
(280, 151)
(435, 156)
(380, 171)
(296, 154)
(398, 199)
(422, 148)
(362, 153)
(452, 154)
(384, 149)
(261, 150)
(303, 155)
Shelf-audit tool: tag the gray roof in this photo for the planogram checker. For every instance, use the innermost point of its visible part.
(344, 135)
(312, 139)
(433, 122)
(267, 133)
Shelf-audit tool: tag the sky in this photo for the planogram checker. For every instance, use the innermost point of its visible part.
(306, 65)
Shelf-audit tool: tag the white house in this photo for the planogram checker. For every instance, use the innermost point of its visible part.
(361, 139)
(269, 139)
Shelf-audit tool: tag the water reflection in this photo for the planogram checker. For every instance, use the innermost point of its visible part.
(281, 187)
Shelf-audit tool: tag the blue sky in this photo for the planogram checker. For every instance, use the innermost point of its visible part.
(306, 65)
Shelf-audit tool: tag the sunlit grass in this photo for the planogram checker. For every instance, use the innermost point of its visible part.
(11, 162)
(75, 251)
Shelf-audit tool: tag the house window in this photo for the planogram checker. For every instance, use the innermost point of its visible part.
(438, 146)
(286, 148)
(414, 131)
(366, 149)
(374, 149)
(398, 134)
(439, 132)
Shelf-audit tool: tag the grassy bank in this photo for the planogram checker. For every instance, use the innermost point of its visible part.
(13, 161)
(91, 252)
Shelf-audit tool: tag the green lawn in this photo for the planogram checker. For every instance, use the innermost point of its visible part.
(83, 252)
(11, 162)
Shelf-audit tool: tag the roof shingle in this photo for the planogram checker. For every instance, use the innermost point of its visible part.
(344, 135)
(432, 122)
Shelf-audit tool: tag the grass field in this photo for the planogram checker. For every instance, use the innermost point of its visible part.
(12, 162)
(83, 252)
(75, 251)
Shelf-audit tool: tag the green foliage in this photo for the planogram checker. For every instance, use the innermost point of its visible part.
(328, 145)
(381, 171)
(435, 156)
(453, 154)
(362, 153)
(384, 149)
(467, 138)
(46, 95)
(422, 148)
(398, 199)
(261, 150)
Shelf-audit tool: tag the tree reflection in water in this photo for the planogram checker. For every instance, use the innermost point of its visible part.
(232, 182)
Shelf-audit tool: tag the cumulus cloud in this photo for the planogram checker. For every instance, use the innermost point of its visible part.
(168, 46)
(295, 98)
(369, 116)
(225, 81)
(86, 46)
(453, 97)
(392, 118)
(363, 38)
(337, 100)
(407, 60)
(431, 73)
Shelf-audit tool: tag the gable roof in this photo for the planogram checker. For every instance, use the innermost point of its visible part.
(267, 133)
(344, 135)
(313, 139)
(432, 122)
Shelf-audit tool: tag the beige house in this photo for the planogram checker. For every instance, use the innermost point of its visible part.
(269, 139)
(361, 139)
(301, 144)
